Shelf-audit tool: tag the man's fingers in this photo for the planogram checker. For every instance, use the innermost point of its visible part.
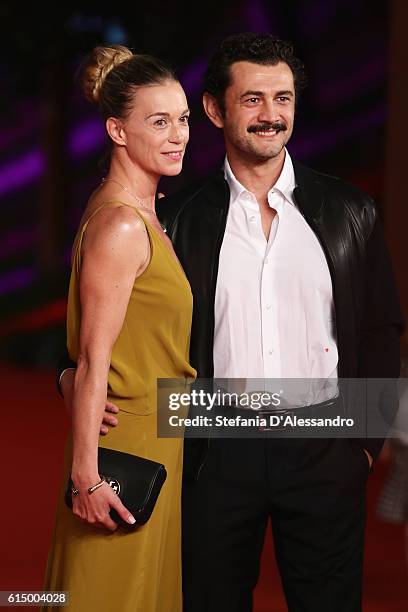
(109, 407)
(108, 419)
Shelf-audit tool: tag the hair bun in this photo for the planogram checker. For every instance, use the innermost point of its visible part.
(98, 65)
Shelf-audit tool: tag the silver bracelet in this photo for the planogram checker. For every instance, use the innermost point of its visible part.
(60, 378)
(90, 490)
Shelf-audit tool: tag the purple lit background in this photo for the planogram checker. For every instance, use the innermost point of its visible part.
(340, 124)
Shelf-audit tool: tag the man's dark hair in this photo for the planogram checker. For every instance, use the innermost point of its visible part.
(249, 47)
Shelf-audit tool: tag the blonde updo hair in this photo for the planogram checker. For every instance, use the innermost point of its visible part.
(111, 75)
(100, 62)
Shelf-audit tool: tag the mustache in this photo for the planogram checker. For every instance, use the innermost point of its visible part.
(279, 126)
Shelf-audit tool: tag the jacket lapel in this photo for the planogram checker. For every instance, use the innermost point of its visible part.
(322, 215)
(309, 197)
(308, 192)
(197, 234)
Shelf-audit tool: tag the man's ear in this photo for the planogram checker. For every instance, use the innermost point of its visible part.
(212, 110)
(114, 127)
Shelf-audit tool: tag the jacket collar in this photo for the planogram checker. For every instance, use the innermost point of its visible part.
(308, 192)
(216, 190)
(284, 185)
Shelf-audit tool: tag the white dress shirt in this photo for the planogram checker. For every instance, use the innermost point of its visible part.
(274, 314)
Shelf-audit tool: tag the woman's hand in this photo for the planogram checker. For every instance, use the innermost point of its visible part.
(93, 508)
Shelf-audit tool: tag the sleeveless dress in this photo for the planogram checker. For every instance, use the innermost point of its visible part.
(138, 571)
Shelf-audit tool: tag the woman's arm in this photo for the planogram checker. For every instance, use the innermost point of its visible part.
(66, 385)
(115, 250)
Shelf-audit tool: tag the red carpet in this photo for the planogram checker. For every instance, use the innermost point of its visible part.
(33, 430)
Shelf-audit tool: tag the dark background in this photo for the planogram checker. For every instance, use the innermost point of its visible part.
(351, 123)
(51, 139)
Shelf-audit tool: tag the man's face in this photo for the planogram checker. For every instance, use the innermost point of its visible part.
(259, 110)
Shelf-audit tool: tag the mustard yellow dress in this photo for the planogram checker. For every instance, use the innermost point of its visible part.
(138, 571)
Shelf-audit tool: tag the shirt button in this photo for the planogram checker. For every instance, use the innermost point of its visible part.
(270, 351)
(252, 219)
(268, 306)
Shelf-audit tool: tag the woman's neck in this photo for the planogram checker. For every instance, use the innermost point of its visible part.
(138, 183)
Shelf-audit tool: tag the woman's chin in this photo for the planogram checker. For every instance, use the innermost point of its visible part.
(174, 171)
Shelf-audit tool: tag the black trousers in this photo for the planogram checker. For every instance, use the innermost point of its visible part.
(314, 492)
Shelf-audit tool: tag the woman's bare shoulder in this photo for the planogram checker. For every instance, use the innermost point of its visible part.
(112, 219)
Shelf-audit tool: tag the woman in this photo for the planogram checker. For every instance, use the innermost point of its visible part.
(129, 318)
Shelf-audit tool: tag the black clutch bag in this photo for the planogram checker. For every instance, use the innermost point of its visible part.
(136, 480)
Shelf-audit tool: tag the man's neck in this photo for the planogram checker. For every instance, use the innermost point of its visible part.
(258, 178)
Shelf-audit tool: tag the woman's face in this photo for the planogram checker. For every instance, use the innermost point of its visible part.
(156, 131)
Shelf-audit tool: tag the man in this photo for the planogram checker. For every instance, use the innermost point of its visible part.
(291, 279)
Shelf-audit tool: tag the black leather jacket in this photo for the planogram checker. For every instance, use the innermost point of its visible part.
(345, 220)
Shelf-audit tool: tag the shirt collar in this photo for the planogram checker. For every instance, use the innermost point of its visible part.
(285, 184)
